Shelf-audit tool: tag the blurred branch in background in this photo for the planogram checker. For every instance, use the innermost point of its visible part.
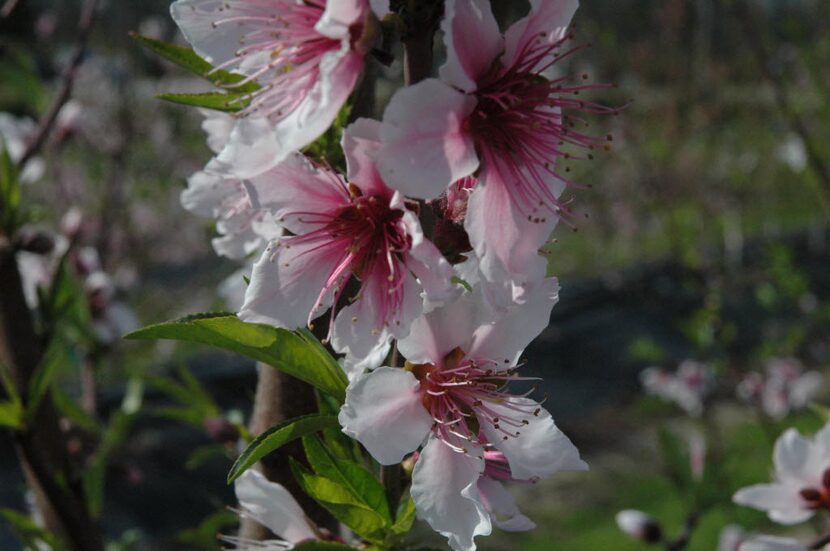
(8, 8)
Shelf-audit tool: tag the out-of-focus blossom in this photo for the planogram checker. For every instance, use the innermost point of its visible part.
(232, 289)
(14, 135)
(688, 387)
(802, 479)
(731, 538)
(243, 226)
(497, 110)
(775, 543)
(793, 153)
(639, 525)
(306, 56)
(786, 387)
(452, 393)
(697, 455)
(341, 230)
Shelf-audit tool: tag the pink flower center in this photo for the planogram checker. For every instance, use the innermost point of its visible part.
(281, 50)
(369, 240)
(520, 128)
(461, 396)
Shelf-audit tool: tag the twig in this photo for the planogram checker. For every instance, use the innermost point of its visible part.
(40, 444)
(48, 120)
(421, 19)
(685, 537)
(762, 56)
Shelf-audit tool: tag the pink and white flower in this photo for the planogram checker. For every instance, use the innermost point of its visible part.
(802, 479)
(452, 399)
(215, 193)
(688, 387)
(342, 230)
(639, 525)
(731, 538)
(272, 506)
(306, 56)
(785, 388)
(774, 543)
(495, 110)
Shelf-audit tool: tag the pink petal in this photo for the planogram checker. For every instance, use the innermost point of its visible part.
(383, 411)
(339, 16)
(361, 143)
(473, 42)
(504, 239)
(271, 505)
(540, 450)
(297, 186)
(287, 280)
(426, 146)
(548, 18)
(429, 265)
(215, 43)
(445, 491)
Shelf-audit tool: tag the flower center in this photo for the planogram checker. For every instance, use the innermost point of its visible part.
(281, 50)
(520, 129)
(465, 393)
(818, 498)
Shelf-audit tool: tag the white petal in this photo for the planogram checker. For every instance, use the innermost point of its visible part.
(771, 543)
(547, 18)
(361, 143)
(287, 281)
(218, 127)
(426, 147)
(339, 16)
(445, 491)
(469, 54)
(794, 459)
(271, 505)
(782, 502)
(505, 338)
(384, 412)
(540, 450)
(502, 507)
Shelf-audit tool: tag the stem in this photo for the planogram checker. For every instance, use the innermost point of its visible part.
(48, 120)
(422, 17)
(685, 537)
(40, 444)
(796, 121)
(820, 542)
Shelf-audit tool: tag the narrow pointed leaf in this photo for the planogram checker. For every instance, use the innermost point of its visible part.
(187, 59)
(292, 352)
(362, 484)
(217, 101)
(278, 436)
(339, 501)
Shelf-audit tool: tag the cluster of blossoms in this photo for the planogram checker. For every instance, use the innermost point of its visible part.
(358, 254)
(688, 387)
(785, 387)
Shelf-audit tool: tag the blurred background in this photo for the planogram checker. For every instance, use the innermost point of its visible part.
(703, 236)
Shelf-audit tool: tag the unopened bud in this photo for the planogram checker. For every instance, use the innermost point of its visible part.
(640, 526)
(221, 430)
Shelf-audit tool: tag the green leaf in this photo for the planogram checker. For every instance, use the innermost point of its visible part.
(362, 484)
(203, 454)
(56, 356)
(70, 409)
(405, 517)
(187, 59)
(296, 353)
(9, 192)
(218, 101)
(94, 477)
(338, 443)
(675, 460)
(322, 546)
(11, 414)
(30, 533)
(278, 436)
(339, 501)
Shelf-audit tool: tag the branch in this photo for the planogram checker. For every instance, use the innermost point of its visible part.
(820, 542)
(421, 20)
(685, 537)
(47, 122)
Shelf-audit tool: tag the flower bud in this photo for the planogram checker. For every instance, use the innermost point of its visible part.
(640, 526)
(221, 430)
